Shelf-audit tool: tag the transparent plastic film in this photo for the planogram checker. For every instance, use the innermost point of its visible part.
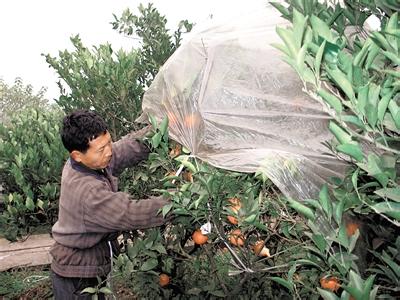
(235, 104)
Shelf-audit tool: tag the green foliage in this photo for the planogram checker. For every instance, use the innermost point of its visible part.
(113, 82)
(157, 44)
(31, 160)
(355, 77)
(101, 80)
(18, 96)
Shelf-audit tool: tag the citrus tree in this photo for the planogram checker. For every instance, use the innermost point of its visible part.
(113, 82)
(233, 234)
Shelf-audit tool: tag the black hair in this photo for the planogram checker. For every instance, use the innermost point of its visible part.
(79, 128)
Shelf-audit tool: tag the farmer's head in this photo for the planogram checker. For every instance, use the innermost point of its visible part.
(85, 135)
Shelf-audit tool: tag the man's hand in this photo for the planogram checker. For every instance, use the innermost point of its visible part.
(141, 133)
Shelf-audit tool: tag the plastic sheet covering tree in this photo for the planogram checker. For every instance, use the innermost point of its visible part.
(235, 104)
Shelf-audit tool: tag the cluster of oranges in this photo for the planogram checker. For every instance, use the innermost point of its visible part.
(191, 120)
(235, 237)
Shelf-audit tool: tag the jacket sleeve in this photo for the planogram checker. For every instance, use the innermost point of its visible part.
(127, 152)
(107, 211)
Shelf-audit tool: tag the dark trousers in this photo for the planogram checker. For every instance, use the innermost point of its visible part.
(65, 288)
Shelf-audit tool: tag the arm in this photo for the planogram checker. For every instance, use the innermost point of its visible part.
(106, 211)
(128, 151)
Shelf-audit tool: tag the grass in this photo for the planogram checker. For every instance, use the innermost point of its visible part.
(26, 283)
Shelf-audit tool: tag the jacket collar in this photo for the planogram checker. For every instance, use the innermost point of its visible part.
(82, 168)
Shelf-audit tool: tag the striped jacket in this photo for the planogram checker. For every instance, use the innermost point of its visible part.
(92, 212)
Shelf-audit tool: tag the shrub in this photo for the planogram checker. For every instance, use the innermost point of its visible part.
(31, 160)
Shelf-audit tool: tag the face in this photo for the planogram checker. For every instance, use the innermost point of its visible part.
(99, 153)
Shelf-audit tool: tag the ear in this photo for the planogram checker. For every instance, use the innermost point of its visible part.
(76, 155)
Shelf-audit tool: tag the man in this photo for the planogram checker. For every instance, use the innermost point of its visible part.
(91, 210)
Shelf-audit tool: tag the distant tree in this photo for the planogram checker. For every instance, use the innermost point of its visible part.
(15, 97)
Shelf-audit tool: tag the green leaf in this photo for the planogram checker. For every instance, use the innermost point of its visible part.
(321, 28)
(383, 105)
(342, 236)
(374, 168)
(29, 204)
(89, 290)
(164, 126)
(308, 262)
(149, 265)
(353, 240)
(287, 37)
(353, 120)
(300, 60)
(339, 211)
(318, 59)
(332, 100)
(371, 109)
(353, 150)
(218, 293)
(302, 209)
(333, 55)
(388, 208)
(393, 57)
(372, 54)
(153, 121)
(362, 99)
(380, 40)
(341, 135)
(362, 55)
(319, 241)
(342, 82)
(105, 290)
(395, 112)
(299, 25)
(166, 209)
(282, 282)
(356, 280)
(326, 295)
(281, 47)
(156, 139)
(40, 203)
(283, 10)
(390, 193)
(159, 248)
(325, 200)
(393, 265)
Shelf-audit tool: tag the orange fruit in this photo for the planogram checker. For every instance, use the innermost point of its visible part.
(232, 220)
(192, 120)
(199, 238)
(236, 238)
(175, 151)
(164, 279)
(187, 176)
(330, 283)
(351, 228)
(260, 249)
(235, 205)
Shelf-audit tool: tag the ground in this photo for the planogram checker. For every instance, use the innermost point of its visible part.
(34, 283)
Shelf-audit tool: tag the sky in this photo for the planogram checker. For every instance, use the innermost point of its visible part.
(29, 28)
